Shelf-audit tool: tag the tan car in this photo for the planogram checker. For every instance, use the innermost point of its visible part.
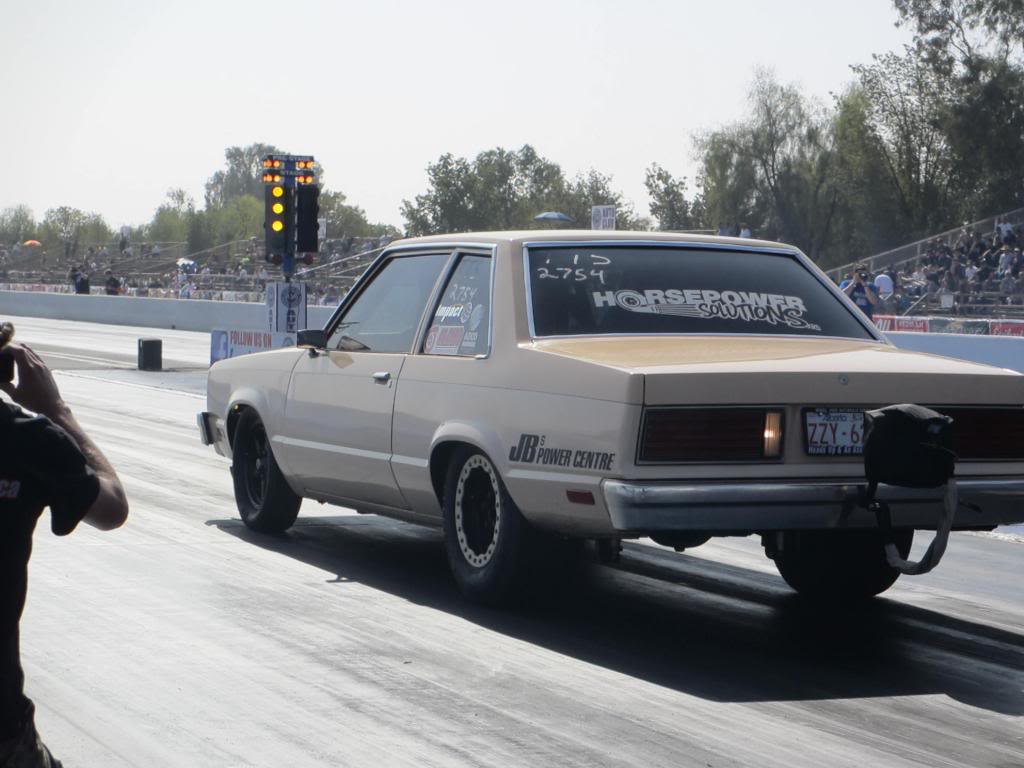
(516, 388)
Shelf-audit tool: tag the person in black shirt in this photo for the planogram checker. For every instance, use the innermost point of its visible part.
(111, 285)
(46, 460)
(863, 292)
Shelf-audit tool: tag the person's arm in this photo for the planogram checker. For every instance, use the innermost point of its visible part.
(869, 291)
(37, 391)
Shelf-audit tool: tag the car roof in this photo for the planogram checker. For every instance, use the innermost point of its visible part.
(577, 235)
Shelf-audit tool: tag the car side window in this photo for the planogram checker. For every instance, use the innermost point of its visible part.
(386, 314)
(461, 324)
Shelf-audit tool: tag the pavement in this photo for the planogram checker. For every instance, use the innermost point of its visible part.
(183, 639)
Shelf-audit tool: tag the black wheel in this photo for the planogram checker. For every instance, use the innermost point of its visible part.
(487, 539)
(839, 564)
(264, 500)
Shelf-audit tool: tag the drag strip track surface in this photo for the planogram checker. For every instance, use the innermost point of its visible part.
(184, 639)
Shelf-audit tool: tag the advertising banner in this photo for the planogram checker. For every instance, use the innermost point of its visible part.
(286, 307)
(885, 322)
(912, 324)
(888, 323)
(232, 343)
(956, 325)
(1006, 327)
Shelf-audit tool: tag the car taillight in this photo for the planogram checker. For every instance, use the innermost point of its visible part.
(987, 433)
(671, 435)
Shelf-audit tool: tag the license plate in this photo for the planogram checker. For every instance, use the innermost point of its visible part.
(834, 432)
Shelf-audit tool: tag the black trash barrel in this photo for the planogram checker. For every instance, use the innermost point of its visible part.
(151, 354)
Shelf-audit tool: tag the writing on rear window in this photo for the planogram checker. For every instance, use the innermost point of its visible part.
(675, 289)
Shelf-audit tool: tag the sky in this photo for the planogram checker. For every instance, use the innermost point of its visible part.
(107, 104)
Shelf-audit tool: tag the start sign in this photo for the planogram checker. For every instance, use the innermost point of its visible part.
(286, 307)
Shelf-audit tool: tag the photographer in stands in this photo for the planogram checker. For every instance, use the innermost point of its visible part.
(46, 460)
(863, 292)
(111, 285)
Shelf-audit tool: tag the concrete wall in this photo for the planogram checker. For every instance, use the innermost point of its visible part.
(1000, 351)
(185, 315)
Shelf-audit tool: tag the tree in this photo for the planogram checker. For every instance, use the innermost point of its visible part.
(69, 228)
(975, 48)
(170, 221)
(868, 218)
(243, 175)
(95, 231)
(595, 188)
(344, 220)
(952, 33)
(63, 224)
(727, 181)
(668, 199)
(907, 101)
(775, 171)
(502, 189)
(200, 235)
(17, 224)
(984, 128)
(448, 205)
(239, 219)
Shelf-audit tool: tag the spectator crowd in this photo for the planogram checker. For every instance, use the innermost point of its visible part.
(237, 272)
(974, 274)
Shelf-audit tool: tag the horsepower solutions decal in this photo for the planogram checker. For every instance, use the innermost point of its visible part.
(745, 306)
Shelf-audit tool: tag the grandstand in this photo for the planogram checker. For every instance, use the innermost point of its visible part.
(956, 272)
(232, 271)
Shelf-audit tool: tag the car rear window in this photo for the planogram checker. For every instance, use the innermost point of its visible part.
(588, 291)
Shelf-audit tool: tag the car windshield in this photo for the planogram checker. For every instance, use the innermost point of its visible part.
(584, 291)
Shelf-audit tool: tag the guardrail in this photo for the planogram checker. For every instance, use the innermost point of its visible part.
(973, 326)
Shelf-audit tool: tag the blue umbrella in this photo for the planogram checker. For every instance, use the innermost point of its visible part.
(554, 216)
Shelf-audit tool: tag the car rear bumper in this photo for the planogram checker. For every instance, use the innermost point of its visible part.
(211, 432)
(206, 433)
(638, 507)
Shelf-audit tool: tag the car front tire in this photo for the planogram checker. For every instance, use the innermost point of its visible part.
(846, 565)
(262, 495)
(487, 539)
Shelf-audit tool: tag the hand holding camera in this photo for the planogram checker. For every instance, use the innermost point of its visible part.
(36, 389)
(6, 360)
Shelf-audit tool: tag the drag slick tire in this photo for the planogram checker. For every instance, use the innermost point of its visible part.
(486, 537)
(846, 565)
(264, 500)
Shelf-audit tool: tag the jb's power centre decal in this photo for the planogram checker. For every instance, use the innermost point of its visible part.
(533, 449)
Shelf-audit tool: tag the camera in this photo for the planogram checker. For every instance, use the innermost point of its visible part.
(862, 275)
(6, 361)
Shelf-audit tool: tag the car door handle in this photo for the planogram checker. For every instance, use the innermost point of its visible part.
(382, 377)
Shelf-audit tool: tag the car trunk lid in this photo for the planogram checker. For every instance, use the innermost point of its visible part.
(772, 370)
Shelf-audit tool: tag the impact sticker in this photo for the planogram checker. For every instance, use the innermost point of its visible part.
(448, 311)
(532, 449)
(746, 306)
(460, 312)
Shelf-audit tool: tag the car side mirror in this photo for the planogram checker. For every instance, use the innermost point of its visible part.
(312, 338)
